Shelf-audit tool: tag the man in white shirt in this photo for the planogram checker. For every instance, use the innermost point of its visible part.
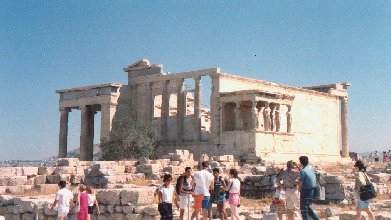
(64, 199)
(203, 181)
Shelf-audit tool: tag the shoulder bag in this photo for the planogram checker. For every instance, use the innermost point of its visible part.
(367, 191)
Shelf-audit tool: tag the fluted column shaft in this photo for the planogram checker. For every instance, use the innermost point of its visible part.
(344, 127)
(165, 111)
(197, 108)
(85, 133)
(180, 111)
(63, 136)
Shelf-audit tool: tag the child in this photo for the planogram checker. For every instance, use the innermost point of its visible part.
(92, 202)
(234, 193)
(166, 198)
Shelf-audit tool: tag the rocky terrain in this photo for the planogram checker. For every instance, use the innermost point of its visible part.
(127, 189)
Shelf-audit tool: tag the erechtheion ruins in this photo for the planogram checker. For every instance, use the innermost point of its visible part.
(248, 118)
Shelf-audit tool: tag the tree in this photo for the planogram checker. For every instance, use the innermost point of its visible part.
(129, 140)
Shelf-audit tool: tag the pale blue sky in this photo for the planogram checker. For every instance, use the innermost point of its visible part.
(49, 45)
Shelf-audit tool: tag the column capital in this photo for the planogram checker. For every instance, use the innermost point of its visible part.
(64, 109)
(197, 78)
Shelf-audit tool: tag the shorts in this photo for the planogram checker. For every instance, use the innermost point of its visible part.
(90, 209)
(198, 201)
(206, 202)
(233, 199)
(184, 201)
(292, 199)
(363, 204)
(62, 211)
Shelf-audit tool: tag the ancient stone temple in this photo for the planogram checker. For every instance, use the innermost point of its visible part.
(245, 117)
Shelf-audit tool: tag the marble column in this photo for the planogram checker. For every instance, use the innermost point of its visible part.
(180, 116)
(165, 111)
(289, 119)
(150, 103)
(344, 127)
(266, 116)
(254, 116)
(277, 117)
(63, 137)
(85, 133)
(107, 114)
(238, 116)
(197, 108)
(261, 118)
(215, 110)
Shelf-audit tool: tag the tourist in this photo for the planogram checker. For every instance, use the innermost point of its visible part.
(166, 198)
(307, 182)
(361, 180)
(234, 193)
(287, 180)
(218, 195)
(82, 202)
(203, 182)
(385, 157)
(64, 199)
(185, 190)
(376, 155)
(355, 156)
(92, 202)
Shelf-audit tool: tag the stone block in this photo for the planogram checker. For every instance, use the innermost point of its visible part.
(270, 216)
(29, 171)
(47, 188)
(13, 181)
(40, 179)
(53, 179)
(77, 178)
(149, 169)
(128, 209)
(10, 171)
(131, 216)
(225, 158)
(64, 170)
(351, 215)
(255, 217)
(144, 161)
(152, 210)
(333, 179)
(67, 162)
(174, 170)
(138, 196)
(383, 215)
(46, 170)
(381, 177)
(2, 189)
(330, 212)
(6, 200)
(139, 209)
(18, 189)
(109, 197)
(118, 216)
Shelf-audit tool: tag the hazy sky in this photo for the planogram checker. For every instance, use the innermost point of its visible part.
(49, 45)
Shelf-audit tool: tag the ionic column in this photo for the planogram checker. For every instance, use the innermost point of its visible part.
(266, 116)
(85, 133)
(215, 110)
(277, 117)
(63, 136)
(254, 115)
(238, 116)
(150, 103)
(180, 111)
(289, 119)
(344, 127)
(165, 111)
(197, 108)
(107, 113)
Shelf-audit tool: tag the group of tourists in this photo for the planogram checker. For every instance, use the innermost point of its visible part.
(375, 156)
(204, 189)
(83, 202)
(299, 183)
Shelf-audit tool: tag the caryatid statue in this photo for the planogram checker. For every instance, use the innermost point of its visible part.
(266, 116)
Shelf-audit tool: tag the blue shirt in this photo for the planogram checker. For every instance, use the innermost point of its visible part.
(308, 177)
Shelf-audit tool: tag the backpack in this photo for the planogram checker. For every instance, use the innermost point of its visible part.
(178, 183)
